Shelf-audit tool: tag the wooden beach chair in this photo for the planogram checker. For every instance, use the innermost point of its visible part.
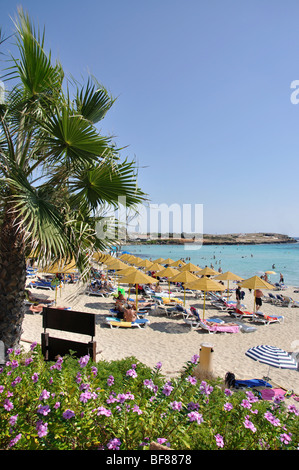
(71, 321)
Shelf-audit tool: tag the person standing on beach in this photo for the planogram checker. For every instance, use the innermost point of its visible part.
(281, 280)
(258, 299)
(238, 297)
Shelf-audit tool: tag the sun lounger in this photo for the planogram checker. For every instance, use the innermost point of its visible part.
(245, 328)
(267, 319)
(236, 313)
(118, 323)
(40, 284)
(212, 325)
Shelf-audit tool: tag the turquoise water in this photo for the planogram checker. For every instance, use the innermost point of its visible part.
(246, 261)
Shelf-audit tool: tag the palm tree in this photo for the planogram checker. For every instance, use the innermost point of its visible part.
(56, 170)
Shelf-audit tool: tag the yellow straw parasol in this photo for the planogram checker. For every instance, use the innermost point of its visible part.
(136, 278)
(184, 277)
(178, 263)
(254, 283)
(116, 264)
(228, 276)
(168, 272)
(205, 284)
(190, 267)
(207, 272)
(158, 260)
(156, 267)
(145, 263)
(168, 261)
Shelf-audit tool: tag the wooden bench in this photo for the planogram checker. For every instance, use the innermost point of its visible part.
(71, 321)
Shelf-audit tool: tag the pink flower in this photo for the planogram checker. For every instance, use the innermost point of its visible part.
(219, 440)
(249, 425)
(285, 438)
(195, 416)
(228, 406)
(42, 429)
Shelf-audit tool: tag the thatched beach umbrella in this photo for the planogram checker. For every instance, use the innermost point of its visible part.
(228, 276)
(207, 272)
(156, 267)
(190, 267)
(158, 260)
(145, 263)
(136, 278)
(168, 272)
(205, 284)
(184, 277)
(255, 283)
(179, 263)
(168, 261)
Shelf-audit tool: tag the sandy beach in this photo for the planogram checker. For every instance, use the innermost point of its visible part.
(171, 341)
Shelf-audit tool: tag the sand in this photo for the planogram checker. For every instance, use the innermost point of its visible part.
(172, 342)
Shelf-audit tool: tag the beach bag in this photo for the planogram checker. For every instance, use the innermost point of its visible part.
(242, 295)
(129, 315)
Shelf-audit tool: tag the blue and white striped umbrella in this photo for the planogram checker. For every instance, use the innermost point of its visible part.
(272, 356)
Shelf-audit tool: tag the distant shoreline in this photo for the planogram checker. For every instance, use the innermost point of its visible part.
(227, 239)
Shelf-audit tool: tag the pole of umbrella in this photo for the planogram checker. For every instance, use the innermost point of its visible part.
(204, 304)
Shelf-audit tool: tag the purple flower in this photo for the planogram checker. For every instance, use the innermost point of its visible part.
(167, 389)
(192, 380)
(94, 371)
(293, 409)
(205, 388)
(42, 428)
(57, 405)
(195, 416)
(194, 359)
(85, 396)
(228, 392)
(44, 410)
(15, 440)
(246, 404)
(35, 377)
(176, 405)
(8, 405)
(114, 444)
(137, 410)
(13, 420)
(103, 411)
(193, 406)
(131, 373)
(158, 365)
(68, 414)
(83, 361)
(33, 346)
(249, 425)
(44, 395)
(228, 406)
(219, 440)
(28, 361)
(285, 438)
(271, 418)
(162, 440)
(110, 380)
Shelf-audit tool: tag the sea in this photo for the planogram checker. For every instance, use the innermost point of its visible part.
(244, 260)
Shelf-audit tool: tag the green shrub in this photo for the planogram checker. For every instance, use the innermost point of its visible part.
(78, 404)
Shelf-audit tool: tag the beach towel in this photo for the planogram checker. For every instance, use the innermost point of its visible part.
(224, 329)
(252, 383)
(267, 394)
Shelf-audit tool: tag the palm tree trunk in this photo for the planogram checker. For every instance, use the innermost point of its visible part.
(12, 281)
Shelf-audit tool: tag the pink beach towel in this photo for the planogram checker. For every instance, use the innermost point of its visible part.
(224, 329)
(271, 393)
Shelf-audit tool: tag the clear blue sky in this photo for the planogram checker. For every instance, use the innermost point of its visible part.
(203, 97)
